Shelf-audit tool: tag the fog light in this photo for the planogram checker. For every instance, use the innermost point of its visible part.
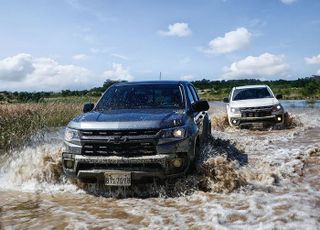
(177, 162)
(279, 118)
(69, 164)
(234, 121)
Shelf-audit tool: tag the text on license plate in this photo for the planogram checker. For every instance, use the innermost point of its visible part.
(117, 178)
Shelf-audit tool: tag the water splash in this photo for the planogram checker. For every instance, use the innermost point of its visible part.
(221, 175)
(220, 122)
(223, 165)
(36, 167)
(245, 179)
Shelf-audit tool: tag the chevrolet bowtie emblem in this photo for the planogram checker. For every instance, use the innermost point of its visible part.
(118, 140)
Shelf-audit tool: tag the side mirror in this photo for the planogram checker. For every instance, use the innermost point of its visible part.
(200, 106)
(226, 100)
(279, 96)
(87, 107)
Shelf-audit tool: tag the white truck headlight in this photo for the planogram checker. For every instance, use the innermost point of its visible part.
(276, 108)
(71, 134)
(234, 110)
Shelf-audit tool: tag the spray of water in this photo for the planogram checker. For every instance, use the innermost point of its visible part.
(37, 166)
(223, 166)
(220, 122)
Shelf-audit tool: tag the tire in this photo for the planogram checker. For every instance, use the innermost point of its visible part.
(192, 163)
(207, 132)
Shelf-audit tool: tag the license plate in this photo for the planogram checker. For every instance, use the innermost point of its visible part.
(117, 178)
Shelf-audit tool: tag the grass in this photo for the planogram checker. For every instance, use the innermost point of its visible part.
(20, 121)
(71, 99)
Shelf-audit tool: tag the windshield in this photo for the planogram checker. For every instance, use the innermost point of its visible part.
(251, 93)
(142, 97)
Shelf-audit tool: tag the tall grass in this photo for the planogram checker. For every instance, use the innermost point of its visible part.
(19, 121)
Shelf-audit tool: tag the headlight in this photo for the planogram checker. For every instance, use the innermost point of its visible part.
(71, 134)
(276, 108)
(178, 132)
(234, 110)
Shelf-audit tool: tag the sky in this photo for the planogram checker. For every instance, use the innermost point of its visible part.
(78, 44)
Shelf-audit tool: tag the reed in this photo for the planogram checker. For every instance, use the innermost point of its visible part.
(20, 121)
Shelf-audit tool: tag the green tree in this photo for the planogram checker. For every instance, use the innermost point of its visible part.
(311, 88)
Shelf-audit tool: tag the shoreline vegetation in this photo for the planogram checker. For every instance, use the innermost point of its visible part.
(18, 122)
(23, 114)
(302, 88)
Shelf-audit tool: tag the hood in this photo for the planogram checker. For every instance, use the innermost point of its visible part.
(128, 119)
(254, 102)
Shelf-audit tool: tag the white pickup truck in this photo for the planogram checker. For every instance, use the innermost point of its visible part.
(254, 105)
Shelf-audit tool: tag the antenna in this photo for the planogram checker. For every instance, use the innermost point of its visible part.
(160, 76)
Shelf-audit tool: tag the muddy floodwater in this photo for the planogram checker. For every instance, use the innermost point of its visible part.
(245, 179)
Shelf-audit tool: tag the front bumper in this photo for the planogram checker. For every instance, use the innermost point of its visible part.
(91, 168)
(252, 121)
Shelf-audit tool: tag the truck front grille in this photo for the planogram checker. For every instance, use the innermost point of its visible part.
(121, 149)
(262, 111)
(108, 133)
(119, 142)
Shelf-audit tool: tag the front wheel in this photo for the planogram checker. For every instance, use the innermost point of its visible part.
(193, 162)
(207, 132)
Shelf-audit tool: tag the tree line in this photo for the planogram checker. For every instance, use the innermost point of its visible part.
(302, 87)
(308, 87)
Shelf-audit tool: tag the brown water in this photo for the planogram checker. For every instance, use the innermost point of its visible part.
(246, 179)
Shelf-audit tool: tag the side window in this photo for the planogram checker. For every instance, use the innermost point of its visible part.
(190, 95)
(194, 93)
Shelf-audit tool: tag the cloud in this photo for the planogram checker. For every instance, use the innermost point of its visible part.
(262, 66)
(318, 73)
(187, 77)
(288, 2)
(312, 60)
(16, 68)
(232, 41)
(179, 29)
(50, 71)
(79, 57)
(118, 72)
(256, 22)
(119, 56)
(25, 73)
